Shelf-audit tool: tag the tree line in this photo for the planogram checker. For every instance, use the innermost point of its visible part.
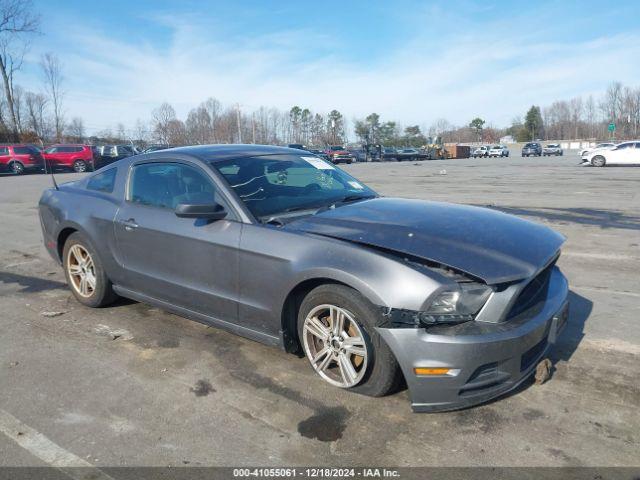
(212, 122)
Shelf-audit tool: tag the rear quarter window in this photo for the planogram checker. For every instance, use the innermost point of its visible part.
(103, 182)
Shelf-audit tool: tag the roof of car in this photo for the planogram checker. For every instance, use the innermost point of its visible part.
(213, 153)
(68, 145)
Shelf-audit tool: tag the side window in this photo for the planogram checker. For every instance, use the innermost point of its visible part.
(21, 150)
(166, 185)
(624, 145)
(4, 150)
(103, 182)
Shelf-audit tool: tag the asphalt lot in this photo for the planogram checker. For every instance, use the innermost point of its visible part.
(131, 385)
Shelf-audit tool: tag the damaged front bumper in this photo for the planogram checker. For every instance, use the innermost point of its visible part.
(484, 360)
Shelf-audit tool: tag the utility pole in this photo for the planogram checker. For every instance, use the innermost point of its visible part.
(238, 118)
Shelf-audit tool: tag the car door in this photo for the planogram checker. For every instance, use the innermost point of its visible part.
(635, 155)
(620, 155)
(66, 155)
(191, 263)
(49, 155)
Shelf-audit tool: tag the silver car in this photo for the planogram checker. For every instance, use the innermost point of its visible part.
(283, 247)
(552, 149)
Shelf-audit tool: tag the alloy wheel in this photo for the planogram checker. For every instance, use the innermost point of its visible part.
(81, 270)
(335, 345)
(17, 168)
(79, 166)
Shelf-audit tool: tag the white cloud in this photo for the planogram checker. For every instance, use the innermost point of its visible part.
(496, 74)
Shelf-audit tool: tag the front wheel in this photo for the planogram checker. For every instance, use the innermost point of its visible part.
(84, 272)
(17, 168)
(79, 166)
(598, 161)
(336, 327)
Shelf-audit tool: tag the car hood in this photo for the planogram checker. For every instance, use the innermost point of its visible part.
(484, 243)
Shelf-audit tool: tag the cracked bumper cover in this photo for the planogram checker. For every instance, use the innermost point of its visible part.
(486, 364)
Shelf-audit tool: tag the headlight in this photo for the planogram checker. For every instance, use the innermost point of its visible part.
(457, 306)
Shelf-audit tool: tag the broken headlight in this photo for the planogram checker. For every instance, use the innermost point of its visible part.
(457, 306)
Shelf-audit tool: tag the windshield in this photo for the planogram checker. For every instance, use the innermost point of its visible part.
(336, 148)
(272, 185)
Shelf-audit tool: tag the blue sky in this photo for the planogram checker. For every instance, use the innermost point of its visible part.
(409, 61)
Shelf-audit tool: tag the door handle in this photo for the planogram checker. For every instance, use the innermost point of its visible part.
(129, 224)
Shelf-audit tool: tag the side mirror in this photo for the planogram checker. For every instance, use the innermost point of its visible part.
(207, 211)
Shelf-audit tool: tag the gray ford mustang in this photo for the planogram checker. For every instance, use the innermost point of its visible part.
(282, 247)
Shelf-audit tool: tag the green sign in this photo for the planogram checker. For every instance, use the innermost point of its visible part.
(612, 127)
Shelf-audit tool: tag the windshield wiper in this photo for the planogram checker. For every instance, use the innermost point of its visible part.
(278, 218)
(353, 198)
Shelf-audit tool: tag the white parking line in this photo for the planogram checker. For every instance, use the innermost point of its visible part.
(47, 451)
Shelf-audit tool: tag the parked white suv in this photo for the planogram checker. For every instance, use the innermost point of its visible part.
(498, 151)
(625, 153)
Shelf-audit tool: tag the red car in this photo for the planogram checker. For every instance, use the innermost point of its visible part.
(20, 158)
(78, 158)
(339, 154)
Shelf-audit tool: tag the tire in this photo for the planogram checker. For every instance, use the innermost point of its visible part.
(598, 161)
(80, 166)
(101, 292)
(375, 373)
(16, 167)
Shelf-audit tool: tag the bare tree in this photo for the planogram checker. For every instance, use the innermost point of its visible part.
(17, 23)
(590, 112)
(52, 72)
(575, 111)
(35, 104)
(198, 125)
(161, 118)
(121, 132)
(76, 130)
(141, 132)
(176, 132)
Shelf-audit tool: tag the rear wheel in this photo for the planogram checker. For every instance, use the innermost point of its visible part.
(84, 272)
(79, 166)
(16, 167)
(336, 327)
(598, 161)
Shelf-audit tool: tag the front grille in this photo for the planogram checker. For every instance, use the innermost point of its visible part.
(534, 294)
